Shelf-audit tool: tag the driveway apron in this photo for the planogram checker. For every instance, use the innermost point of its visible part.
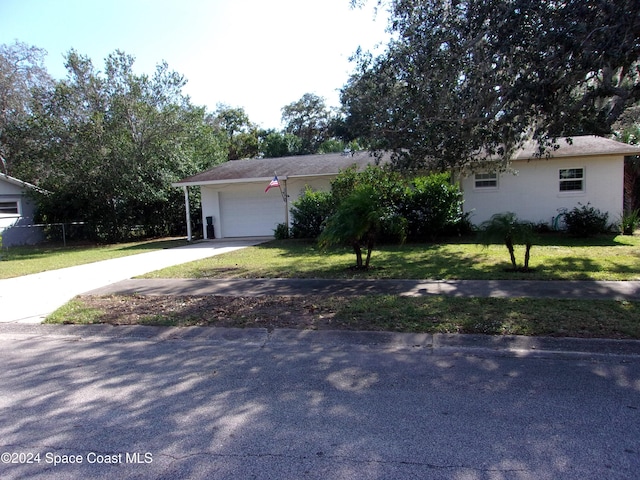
(30, 298)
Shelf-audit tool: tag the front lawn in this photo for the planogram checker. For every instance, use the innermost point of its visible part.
(18, 261)
(556, 257)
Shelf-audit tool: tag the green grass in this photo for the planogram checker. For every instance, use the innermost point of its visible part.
(497, 316)
(555, 257)
(17, 261)
(77, 312)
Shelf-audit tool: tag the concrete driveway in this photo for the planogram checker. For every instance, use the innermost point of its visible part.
(29, 299)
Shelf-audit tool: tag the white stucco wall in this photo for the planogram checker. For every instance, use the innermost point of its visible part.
(244, 209)
(533, 193)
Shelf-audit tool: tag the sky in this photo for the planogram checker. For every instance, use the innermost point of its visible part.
(256, 54)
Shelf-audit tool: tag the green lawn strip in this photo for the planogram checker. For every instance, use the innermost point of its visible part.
(497, 316)
(555, 257)
(441, 314)
(18, 261)
(76, 312)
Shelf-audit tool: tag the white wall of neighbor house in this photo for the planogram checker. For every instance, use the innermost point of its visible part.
(534, 192)
(16, 217)
(245, 210)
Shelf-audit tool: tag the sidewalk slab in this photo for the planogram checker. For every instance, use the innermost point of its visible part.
(602, 290)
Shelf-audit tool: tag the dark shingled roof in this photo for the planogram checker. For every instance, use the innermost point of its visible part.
(255, 169)
(297, 166)
(582, 146)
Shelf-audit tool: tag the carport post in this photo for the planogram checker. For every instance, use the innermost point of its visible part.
(286, 205)
(188, 211)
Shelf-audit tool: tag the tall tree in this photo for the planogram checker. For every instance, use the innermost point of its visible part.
(241, 136)
(278, 144)
(22, 74)
(469, 79)
(308, 119)
(109, 146)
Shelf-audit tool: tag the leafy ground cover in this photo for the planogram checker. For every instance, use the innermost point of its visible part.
(17, 261)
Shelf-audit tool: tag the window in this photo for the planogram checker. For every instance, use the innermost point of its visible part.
(486, 180)
(572, 179)
(8, 208)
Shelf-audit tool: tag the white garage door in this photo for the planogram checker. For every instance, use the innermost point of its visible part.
(249, 212)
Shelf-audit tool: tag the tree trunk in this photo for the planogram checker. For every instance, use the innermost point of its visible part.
(369, 250)
(527, 255)
(358, 250)
(509, 245)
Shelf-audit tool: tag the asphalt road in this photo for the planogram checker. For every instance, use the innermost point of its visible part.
(152, 403)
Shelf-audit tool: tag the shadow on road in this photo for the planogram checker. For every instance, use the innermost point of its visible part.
(248, 407)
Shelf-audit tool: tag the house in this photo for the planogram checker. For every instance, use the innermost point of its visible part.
(233, 196)
(587, 170)
(16, 213)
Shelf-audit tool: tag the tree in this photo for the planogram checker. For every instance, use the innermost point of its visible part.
(240, 134)
(505, 227)
(276, 144)
(108, 146)
(464, 80)
(22, 74)
(358, 222)
(627, 130)
(366, 211)
(307, 119)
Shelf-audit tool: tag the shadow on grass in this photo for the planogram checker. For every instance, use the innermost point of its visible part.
(463, 258)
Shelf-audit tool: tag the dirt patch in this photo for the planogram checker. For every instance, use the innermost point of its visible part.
(241, 312)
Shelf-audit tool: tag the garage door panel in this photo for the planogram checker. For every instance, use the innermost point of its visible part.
(250, 212)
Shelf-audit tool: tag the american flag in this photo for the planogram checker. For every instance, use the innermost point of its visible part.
(274, 183)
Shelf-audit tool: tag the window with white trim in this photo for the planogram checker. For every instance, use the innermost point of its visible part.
(486, 180)
(8, 208)
(571, 179)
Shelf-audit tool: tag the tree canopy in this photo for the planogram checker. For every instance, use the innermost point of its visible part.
(308, 119)
(107, 146)
(463, 80)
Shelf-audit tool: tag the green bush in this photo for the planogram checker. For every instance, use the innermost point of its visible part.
(281, 232)
(388, 184)
(432, 206)
(585, 220)
(310, 213)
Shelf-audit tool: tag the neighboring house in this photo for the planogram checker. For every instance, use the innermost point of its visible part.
(16, 213)
(234, 197)
(590, 170)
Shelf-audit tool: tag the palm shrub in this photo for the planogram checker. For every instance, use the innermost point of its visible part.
(506, 228)
(358, 222)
